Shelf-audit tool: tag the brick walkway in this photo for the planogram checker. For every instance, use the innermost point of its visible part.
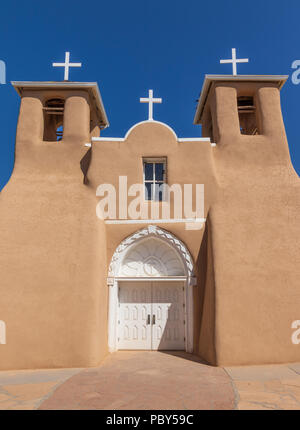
(153, 380)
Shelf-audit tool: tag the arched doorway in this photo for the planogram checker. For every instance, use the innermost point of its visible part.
(151, 278)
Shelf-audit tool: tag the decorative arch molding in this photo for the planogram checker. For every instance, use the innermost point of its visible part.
(151, 254)
(151, 231)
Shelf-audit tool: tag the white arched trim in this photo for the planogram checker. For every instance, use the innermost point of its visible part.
(149, 121)
(154, 231)
(116, 275)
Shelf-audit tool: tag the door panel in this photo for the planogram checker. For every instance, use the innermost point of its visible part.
(134, 326)
(151, 315)
(168, 331)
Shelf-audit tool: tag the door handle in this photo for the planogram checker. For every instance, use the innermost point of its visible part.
(153, 319)
(148, 319)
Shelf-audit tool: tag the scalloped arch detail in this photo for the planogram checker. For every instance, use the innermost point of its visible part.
(123, 254)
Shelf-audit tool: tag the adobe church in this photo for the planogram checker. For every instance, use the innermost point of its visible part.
(75, 287)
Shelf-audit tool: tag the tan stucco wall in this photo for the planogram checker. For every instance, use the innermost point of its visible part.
(255, 233)
(53, 249)
(55, 252)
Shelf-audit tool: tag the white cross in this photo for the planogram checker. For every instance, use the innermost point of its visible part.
(66, 65)
(234, 61)
(150, 100)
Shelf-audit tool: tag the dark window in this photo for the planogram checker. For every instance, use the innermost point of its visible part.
(247, 115)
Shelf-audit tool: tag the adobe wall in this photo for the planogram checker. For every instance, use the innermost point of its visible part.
(255, 234)
(52, 248)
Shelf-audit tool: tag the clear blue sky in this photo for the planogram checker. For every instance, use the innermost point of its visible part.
(131, 46)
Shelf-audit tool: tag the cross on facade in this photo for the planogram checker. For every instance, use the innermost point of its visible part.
(150, 100)
(234, 61)
(66, 65)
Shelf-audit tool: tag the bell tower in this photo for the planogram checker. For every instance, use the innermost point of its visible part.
(253, 224)
(59, 112)
(242, 113)
(53, 254)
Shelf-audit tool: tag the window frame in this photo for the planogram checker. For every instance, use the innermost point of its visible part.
(153, 181)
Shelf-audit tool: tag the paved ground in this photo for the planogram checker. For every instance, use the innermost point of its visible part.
(153, 380)
(27, 389)
(267, 387)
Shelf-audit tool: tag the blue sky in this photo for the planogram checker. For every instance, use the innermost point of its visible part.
(131, 46)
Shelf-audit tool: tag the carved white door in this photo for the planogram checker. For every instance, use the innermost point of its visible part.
(134, 321)
(151, 315)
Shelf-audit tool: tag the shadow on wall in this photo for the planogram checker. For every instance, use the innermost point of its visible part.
(204, 299)
(201, 274)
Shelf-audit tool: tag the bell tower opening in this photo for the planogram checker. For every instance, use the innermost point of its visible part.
(247, 115)
(59, 132)
(53, 110)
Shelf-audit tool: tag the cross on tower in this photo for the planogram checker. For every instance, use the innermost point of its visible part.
(150, 100)
(234, 61)
(66, 65)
